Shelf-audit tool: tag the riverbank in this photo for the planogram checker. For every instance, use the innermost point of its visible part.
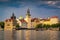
(52, 29)
(39, 29)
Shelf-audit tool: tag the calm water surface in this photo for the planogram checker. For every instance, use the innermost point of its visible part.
(29, 35)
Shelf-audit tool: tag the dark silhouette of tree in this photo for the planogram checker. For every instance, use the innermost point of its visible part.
(2, 24)
(38, 26)
(46, 26)
(17, 26)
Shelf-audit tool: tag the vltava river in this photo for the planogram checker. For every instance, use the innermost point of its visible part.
(30, 35)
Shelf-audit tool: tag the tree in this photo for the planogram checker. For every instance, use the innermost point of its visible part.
(38, 26)
(55, 25)
(46, 26)
(17, 26)
(59, 25)
(2, 24)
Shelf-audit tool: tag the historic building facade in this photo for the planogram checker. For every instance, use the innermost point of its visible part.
(10, 23)
(28, 21)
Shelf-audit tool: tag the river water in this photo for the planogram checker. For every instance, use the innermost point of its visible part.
(30, 35)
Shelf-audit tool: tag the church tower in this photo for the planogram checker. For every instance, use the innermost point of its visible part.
(28, 18)
(28, 13)
(10, 23)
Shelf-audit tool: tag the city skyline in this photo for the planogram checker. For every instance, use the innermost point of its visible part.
(39, 9)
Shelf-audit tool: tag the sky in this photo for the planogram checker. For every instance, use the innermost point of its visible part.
(38, 8)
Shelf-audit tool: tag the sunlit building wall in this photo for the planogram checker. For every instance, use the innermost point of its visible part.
(54, 20)
(10, 24)
(46, 22)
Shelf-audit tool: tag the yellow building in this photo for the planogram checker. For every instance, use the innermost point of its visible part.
(35, 21)
(50, 21)
(45, 21)
(10, 23)
(54, 20)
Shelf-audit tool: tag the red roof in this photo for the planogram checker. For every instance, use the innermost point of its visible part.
(22, 20)
(54, 17)
(8, 20)
(37, 20)
(45, 19)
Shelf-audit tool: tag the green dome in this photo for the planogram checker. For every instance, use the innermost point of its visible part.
(20, 17)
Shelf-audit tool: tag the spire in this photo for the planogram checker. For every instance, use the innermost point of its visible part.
(28, 12)
(13, 16)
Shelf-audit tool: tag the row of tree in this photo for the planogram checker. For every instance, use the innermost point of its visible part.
(48, 26)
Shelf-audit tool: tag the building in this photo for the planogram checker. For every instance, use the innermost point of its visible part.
(22, 23)
(28, 21)
(28, 18)
(45, 21)
(10, 23)
(34, 22)
(54, 20)
(50, 21)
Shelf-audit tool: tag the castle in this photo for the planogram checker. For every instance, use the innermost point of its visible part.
(29, 22)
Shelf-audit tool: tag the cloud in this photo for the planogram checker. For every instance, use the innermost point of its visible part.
(53, 3)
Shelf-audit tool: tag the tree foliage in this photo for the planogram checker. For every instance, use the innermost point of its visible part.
(17, 26)
(2, 24)
(48, 26)
(38, 26)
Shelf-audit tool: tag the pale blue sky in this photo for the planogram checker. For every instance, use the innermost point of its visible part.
(39, 9)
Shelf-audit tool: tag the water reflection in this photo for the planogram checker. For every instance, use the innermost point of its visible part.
(31, 35)
(8, 35)
(1, 35)
(27, 34)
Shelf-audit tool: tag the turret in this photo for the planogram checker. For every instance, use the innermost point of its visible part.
(13, 16)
